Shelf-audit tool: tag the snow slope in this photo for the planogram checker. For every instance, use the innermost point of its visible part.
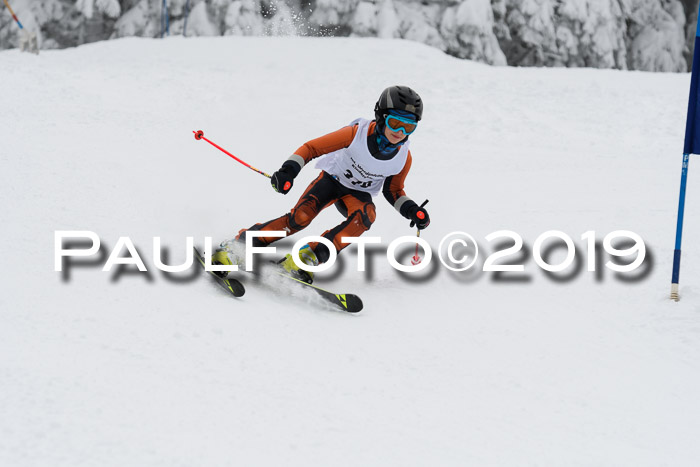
(459, 369)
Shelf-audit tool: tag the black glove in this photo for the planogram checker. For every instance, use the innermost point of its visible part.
(419, 216)
(282, 180)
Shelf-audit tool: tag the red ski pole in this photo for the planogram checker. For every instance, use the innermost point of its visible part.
(417, 259)
(199, 134)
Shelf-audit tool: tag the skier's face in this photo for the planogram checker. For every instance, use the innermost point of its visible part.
(393, 136)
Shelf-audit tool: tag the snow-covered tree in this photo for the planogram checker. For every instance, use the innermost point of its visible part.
(387, 20)
(281, 21)
(142, 19)
(201, 22)
(333, 16)
(421, 22)
(527, 33)
(244, 18)
(110, 8)
(656, 36)
(468, 32)
(591, 33)
(635, 34)
(364, 21)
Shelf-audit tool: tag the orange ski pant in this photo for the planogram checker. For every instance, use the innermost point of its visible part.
(356, 206)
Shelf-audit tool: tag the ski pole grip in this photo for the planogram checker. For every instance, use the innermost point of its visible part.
(424, 203)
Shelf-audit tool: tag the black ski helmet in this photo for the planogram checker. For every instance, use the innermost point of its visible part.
(399, 98)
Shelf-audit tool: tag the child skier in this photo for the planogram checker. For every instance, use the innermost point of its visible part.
(361, 160)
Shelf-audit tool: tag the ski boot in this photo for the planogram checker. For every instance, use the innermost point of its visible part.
(221, 257)
(308, 257)
(229, 253)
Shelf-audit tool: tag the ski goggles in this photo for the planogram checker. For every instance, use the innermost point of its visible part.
(403, 124)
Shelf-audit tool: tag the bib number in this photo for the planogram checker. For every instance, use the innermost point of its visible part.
(354, 181)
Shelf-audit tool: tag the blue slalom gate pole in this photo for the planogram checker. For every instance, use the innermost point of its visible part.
(164, 20)
(679, 231)
(691, 146)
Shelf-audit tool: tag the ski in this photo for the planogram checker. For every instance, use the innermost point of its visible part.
(346, 302)
(232, 286)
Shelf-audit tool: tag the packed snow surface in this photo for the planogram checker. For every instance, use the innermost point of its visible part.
(109, 369)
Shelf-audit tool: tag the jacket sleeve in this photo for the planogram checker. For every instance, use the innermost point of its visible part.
(317, 147)
(393, 189)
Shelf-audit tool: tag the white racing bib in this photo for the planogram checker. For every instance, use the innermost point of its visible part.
(356, 168)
